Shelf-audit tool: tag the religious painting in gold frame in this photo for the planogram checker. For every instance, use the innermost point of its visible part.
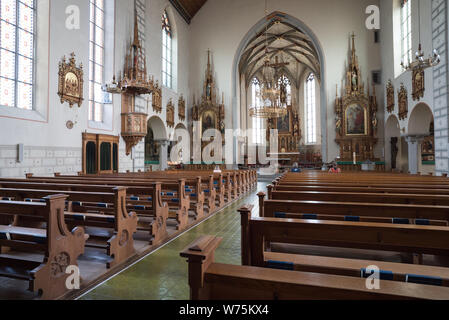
(356, 120)
(418, 84)
(403, 102)
(284, 123)
(208, 120)
(70, 84)
(390, 97)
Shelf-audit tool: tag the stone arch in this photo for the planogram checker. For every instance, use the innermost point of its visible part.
(156, 134)
(236, 79)
(420, 125)
(420, 119)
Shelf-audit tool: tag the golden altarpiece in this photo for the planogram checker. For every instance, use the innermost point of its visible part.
(208, 113)
(356, 119)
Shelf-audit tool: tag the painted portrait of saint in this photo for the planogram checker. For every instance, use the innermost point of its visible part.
(355, 120)
(207, 121)
(283, 123)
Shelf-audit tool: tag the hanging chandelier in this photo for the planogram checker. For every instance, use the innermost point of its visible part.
(269, 103)
(420, 62)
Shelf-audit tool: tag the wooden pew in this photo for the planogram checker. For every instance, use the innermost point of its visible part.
(400, 198)
(380, 189)
(178, 206)
(297, 209)
(213, 281)
(59, 246)
(157, 228)
(361, 235)
(120, 246)
(217, 186)
(193, 184)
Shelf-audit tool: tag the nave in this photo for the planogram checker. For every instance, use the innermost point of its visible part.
(162, 275)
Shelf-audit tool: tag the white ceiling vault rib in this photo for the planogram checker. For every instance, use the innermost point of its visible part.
(285, 42)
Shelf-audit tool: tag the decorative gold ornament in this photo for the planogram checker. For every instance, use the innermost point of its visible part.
(181, 108)
(418, 84)
(70, 86)
(209, 112)
(390, 97)
(356, 115)
(170, 114)
(69, 124)
(157, 98)
(403, 102)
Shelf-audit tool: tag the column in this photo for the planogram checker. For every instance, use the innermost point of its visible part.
(163, 156)
(440, 85)
(414, 143)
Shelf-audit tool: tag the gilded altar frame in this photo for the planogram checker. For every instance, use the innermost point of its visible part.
(363, 103)
(71, 82)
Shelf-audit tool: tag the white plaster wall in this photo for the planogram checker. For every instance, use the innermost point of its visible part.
(45, 128)
(221, 26)
(391, 51)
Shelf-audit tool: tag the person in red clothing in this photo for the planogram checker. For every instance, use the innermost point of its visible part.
(334, 169)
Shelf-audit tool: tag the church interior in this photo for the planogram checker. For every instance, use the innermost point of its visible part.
(224, 149)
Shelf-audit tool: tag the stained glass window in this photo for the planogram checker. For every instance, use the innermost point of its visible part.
(406, 31)
(96, 60)
(17, 33)
(167, 73)
(310, 110)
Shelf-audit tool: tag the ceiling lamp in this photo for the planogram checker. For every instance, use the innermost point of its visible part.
(268, 102)
(420, 62)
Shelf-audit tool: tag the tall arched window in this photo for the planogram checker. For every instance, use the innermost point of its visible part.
(167, 53)
(406, 31)
(310, 109)
(96, 60)
(258, 124)
(17, 33)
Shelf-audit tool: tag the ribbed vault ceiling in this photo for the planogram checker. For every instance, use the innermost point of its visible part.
(287, 43)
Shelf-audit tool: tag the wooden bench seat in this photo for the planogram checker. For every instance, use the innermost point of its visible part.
(355, 267)
(120, 246)
(351, 209)
(134, 189)
(214, 281)
(371, 236)
(59, 246)
(156, 227)
(399, 198)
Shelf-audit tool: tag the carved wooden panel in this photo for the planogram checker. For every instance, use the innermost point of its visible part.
(390, 97)
(157, 98)
(170, 114)
(182, 108)
(418, 84)
(403, 102)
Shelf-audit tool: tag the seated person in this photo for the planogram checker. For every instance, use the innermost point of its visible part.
(296, 168)
(334, 169)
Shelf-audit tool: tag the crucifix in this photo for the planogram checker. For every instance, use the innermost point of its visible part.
(276, 65)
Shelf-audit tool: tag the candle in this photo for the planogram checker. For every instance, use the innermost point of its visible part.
(354, 157)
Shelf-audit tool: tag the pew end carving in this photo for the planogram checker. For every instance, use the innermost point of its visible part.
(200, 255)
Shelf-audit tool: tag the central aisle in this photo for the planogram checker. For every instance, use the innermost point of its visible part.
(163, 274)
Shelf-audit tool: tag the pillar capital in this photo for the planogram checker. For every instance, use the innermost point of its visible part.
(414, 138)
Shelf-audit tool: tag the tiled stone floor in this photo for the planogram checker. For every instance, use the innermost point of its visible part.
(163, 274)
